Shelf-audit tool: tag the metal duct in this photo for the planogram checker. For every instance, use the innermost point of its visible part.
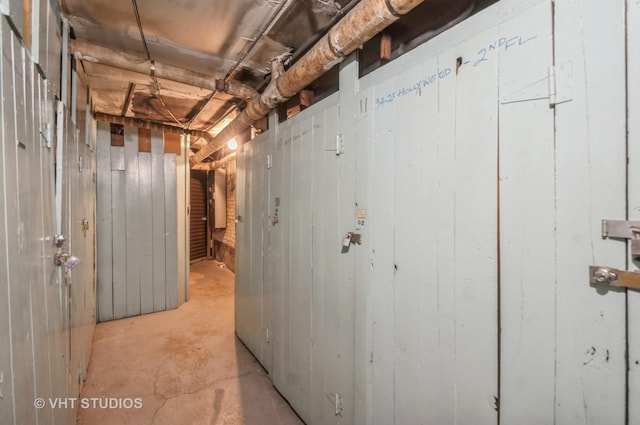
(364, 21)
(208, 166)
(105, 56)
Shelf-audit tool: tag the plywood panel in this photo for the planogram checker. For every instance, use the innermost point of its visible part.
(145, 231)
(104, 224)
(133, 220)
(171, 231)
(633, 193)
(590, 186)
(158, 213)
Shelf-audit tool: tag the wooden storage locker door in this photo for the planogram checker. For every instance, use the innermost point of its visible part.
(198, 215)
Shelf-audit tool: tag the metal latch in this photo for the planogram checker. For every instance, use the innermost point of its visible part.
(621, 229)
(608, 276)
(349, 239)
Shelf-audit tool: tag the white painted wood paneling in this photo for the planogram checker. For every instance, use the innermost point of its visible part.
(527, 222)
(481, 203)
(119, 241)
(590, 186)
(145, 202)
(133, 219)
(104, 224)
(154, 211)
(171, 231)
(158, 213)
(7, 185)
(633, 193)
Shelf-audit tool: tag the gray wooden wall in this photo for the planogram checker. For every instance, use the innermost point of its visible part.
(47, 314)
(137, 227)
(479, 193)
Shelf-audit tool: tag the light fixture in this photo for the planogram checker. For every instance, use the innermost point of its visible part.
(232, 144)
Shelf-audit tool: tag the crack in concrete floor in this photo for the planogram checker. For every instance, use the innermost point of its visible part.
(186, 365)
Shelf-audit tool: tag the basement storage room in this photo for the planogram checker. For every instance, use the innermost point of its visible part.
(320, 212)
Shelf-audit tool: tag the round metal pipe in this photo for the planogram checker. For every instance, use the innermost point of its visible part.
(362, 23)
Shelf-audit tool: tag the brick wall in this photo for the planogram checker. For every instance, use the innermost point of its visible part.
(225, 239)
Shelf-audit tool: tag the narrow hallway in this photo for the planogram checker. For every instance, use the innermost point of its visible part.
(186, 366)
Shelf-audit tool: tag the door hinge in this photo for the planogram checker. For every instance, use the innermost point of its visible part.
(268, 335)
(269, 162)
(560, 83)
(336, 399)
(339, 144)
(557, 86)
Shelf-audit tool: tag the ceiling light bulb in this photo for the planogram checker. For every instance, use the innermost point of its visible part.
(232, 144)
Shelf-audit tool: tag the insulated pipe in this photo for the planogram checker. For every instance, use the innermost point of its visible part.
(208, 166)
(135, 122)
(115, 59)
(362, 23)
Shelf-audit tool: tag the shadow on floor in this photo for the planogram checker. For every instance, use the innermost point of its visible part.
(183, 366)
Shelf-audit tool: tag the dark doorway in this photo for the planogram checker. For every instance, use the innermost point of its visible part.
(198, 215)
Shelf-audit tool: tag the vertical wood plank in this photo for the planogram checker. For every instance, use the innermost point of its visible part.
(633, 193)
(321, 214)
(476, 237)
(363, 368)
(36, 240)
(7, 409)
(183, 212)
(268, 283)
(282, 190)
(527, 226)
(344, 302)
(133, 219)
(382, 264)
(171, 231)
(243, 246)
(301, 260)
(409, 267)
(50, 288)
(120, 258)
(145, 230)
(158, 204)
(443, 387)
(18, 237)
(104, 224)
(590, 186)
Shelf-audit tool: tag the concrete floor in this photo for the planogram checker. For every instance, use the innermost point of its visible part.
(186, 365)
